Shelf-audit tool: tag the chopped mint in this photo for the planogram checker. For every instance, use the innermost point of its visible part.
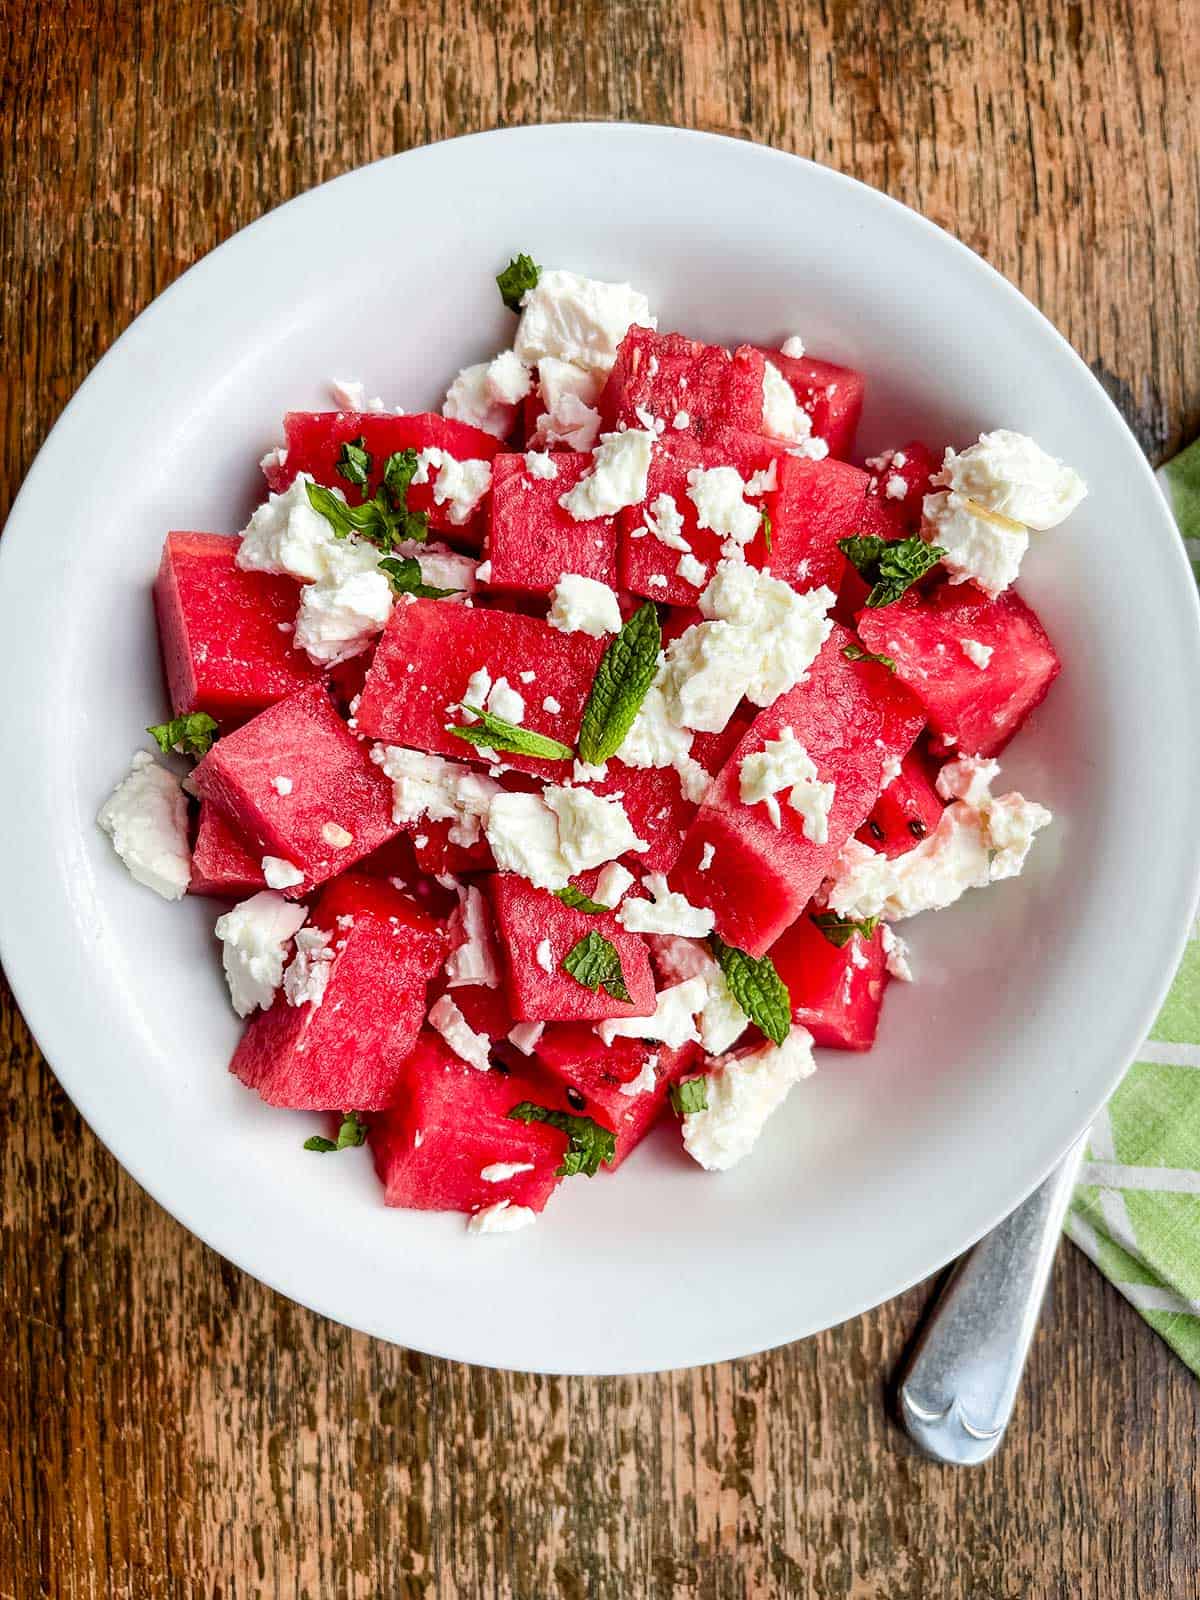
(186, 736)
(589, 1146)
(626, 671)
(520, 275)
(354, 463)
(578, 901)
(757, 988)
(689, 1096)
(384, 519)
(351, 1134)
(596, 963)
(855, 652)
(404, 575)
(766, 528)
(840, 930)
(493, 733)
(891, 566)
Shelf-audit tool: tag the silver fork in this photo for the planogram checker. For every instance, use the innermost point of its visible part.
(957, 1393)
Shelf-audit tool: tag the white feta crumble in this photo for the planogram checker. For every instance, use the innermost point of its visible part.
(681, 420)
(461, 485)
(784, 763)
(667, 912)
(979, 544)
(473, 959)
(307, 976)
(743, 1090)
(502, 1171)
(970, 778)
(569, 395)
(442, 567)
(254, 938)
(544, 955)
(663, 518)
(706, 856)
(895, 953)
(721, 1020)
(274, 458)
(483, 572)
(792, 346)
(338, 618)
(337, 837)
(612, 883)
(505, 702)
(589, 772)
(487, 394)
(551, 706)
(281, 873)
(351, 395)
(523, 835)
(583, 605)
(523, 1036)
(718, 496)
(692, 571)
(503, 1217)
(527, 676)
(658, 580)
(541, 464)
(783, 416)
(577, 319)
(896, 487)
(891, 771)
(1008, 474)
(617, 477)
(592, 828)
(286, 536)
(646, 1081)
(979, 654)
(469, 1046)
(282, 785)
(765, 479)
(440, 790)
(146, 818)
(673, 1022)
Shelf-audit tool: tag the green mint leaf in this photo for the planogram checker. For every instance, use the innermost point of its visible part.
(493, 733)
(520, 274)
(766, 528)
(891, 566)
(351, 1134)
(404, 575)
(384, 519)
(191, 735)
(343, 519)
(398, 472)
(317, 1143)
(589, 1145)
(757, 988)
(576, 900)
(354, 463)
(626, 671)
(840, 930)
(689, 1096)
(855, 652)
(596, 964)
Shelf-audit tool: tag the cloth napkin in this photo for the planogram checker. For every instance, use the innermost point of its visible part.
(1136, 1210)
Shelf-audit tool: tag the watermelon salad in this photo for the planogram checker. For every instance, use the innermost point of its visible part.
(568, 759)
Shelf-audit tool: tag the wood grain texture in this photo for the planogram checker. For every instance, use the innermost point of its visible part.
(172, 1428)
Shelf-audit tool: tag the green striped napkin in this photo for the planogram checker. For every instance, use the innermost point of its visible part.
(1136, 1211)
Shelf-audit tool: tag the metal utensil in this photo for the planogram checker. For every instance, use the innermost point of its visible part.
(957, 1394)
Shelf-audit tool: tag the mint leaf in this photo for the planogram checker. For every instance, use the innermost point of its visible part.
(351, 1134)
(384, 519)
(596, 964)
(404, 575)
(495, 734)
(191, 735)
(766, 528)
(354, 463)
(689, 1096)
(855, 652)
(840, 930)
(578, 901)
(757, 988)
(891, 566)
(521, 274)
(589, 1145)
(626, 671)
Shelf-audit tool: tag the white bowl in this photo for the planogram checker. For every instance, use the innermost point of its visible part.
(1031, 997)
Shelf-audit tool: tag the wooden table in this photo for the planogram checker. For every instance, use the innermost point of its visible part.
(172, 1428)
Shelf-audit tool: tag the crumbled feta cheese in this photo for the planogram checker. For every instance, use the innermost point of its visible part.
(970, 778)
(592, 828)
(672, 1023)
(668, 912)
(523, 1036)
(337, 837)
(527, 676)
(895, 954)
(459, 484)
(792, 346)
(654, 739)
(569, 395)
(646, 1081)
(483, 572)
(540, 464)
(1012, 822)
(430, 786)
(577, 319)
(766, 479)
(469, 1046)
(612, 883)
(718, 496)
(286, 536)
(338, 620)
(350, 395)
(274, 458)
(891, 771)
(978, 544)
(505, 702)
(658, 581)
(743, 1090)
(487, 395)
(442, 567)
(254, 938)
(692, 571)
(663, 518)
(146, 818)
(544, 955)
(979, 654)
(307, 976)
(783, 416)
(784, 763)
(551, 706)
(502, 1171)
(583, 605)
(617, 478)
(1007, 473)
(503, 1217)
(281, 873)
(472, 960)
(721, 1021)
(282, 785)
(706, 856)
(523, 835)
(896, 487)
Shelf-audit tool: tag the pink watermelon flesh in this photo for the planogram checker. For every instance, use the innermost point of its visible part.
(918, 467)
(907, 811)
(314, 440)
(449, 1121)
(225, 634)
(836, 994)
(851, 717)
(815, 504)
(832, 396)
(973, 710)
(222, 863)
(590, 1074)
(670, 376)
(429, 651)
(532, 540)
(335, 785)
(528, 919)
(347, 1053)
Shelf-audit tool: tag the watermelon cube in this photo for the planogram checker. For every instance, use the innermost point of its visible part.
(297, 784)
(852, 717)
(448, 1125)
(222, 862)
(907, 811)
(343, 1048)
(536, 931)
(836, 992)
(596, 1080)
(814, 504)
(532, 540)
(690, 386)
(226, 635)
(978, 666)
(832, 396)
(429, 651)
(314, 440)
